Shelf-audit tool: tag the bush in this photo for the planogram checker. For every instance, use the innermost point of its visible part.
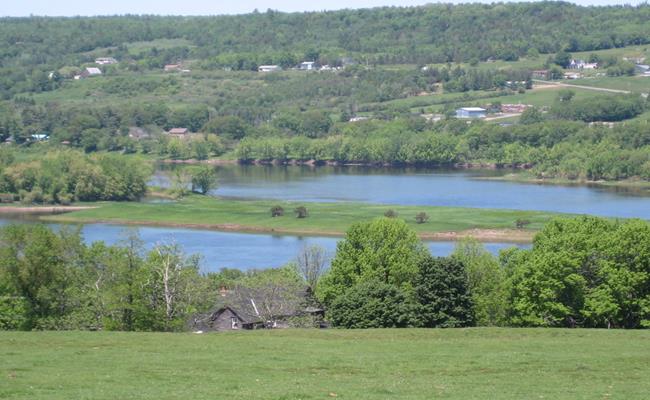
(521, 223)
(372, 304)
(277, 211)
(391, 214)
(421, 217)
(301, 212)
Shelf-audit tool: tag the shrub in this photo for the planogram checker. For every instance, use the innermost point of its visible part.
(301, 212)
(391, 214)
(521, 223)
(277, 211)
(421, 217)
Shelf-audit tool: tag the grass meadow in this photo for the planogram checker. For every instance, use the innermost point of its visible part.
(478, 363)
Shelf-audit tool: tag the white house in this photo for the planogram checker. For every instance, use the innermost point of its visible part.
(91, 71)
(471, 112)
(307, 66)
(269, 68)
(105, 61)
(581, 64)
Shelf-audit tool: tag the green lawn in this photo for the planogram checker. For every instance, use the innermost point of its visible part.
(480, 363)
(324, 218)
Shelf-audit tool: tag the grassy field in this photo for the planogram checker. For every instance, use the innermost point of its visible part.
(413, 364)
(324, 218)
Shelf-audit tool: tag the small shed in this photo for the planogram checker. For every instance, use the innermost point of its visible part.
(471, 112)
(178, 131)
(269, 68)
(91, 71)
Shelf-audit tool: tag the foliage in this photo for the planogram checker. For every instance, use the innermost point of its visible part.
(485, 281)
(583, 271)
(442, 291)
(391, 213)
(301, 212)
(384, 249)
(277, 211)
(204, 179)
(421, 217)
(372, 304)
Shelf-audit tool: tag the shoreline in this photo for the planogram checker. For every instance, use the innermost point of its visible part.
(41, 210)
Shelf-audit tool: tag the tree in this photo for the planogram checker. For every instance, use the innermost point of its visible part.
(301, 212)
(384, 249)
(391, 213)
(277, 211)
(230, 127)
(485, 280)
(311, 262)
(442, 291)
(531, 115)
(421, 217)
(562, 58)
(372, 304)
(204, 179)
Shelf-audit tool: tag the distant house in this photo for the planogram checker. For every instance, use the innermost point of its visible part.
(90, 71)
(39, 137)
(581, 64)
(358, 119)
(471, 112)
(572, 75)
(540, 74)
(178, 131)
(307, 66)
(138, 133)
(172, 67)
(105, 61)
(269, 68)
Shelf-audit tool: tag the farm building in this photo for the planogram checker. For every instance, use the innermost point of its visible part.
(540, 74)
(178, 131)
(105, 61)
(307, 66)
(471, 112)
(91, 71)
(269, 68)
(227, 319)
(172, 67)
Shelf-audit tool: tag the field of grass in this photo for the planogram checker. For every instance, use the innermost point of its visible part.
(636, 84)
(481, 363)
(324, 218)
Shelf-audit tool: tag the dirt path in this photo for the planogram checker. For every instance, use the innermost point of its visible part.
(547, 84)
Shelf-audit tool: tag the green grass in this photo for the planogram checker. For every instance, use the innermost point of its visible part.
(324, 218)
(636, 84)
(323, 364)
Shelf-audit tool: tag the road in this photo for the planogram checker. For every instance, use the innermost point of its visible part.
(598, 89)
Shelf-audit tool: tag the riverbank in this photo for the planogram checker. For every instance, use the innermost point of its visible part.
(324, 219)
(526, 177)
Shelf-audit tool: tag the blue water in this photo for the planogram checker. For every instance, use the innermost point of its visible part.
(423, 187)
(232, 250)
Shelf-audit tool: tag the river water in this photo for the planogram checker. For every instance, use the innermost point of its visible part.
(376, 185)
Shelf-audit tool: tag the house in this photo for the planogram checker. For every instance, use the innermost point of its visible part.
(39, 137)
(172, 67)
(358, 119)
(226, 318)
(90, 71)
(105, 61)
(471, 112)
(581, 64)
(540, 74)
(307, 66)
(269, 68)
(178, 131)
(572, 75)
(138, 133)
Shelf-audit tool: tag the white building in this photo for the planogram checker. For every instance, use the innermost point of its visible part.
(269, 68)
(105, 61)
(307, 66)
(471, 112)
(91, 71)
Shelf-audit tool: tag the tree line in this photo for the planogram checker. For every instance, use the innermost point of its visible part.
(579, 272)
